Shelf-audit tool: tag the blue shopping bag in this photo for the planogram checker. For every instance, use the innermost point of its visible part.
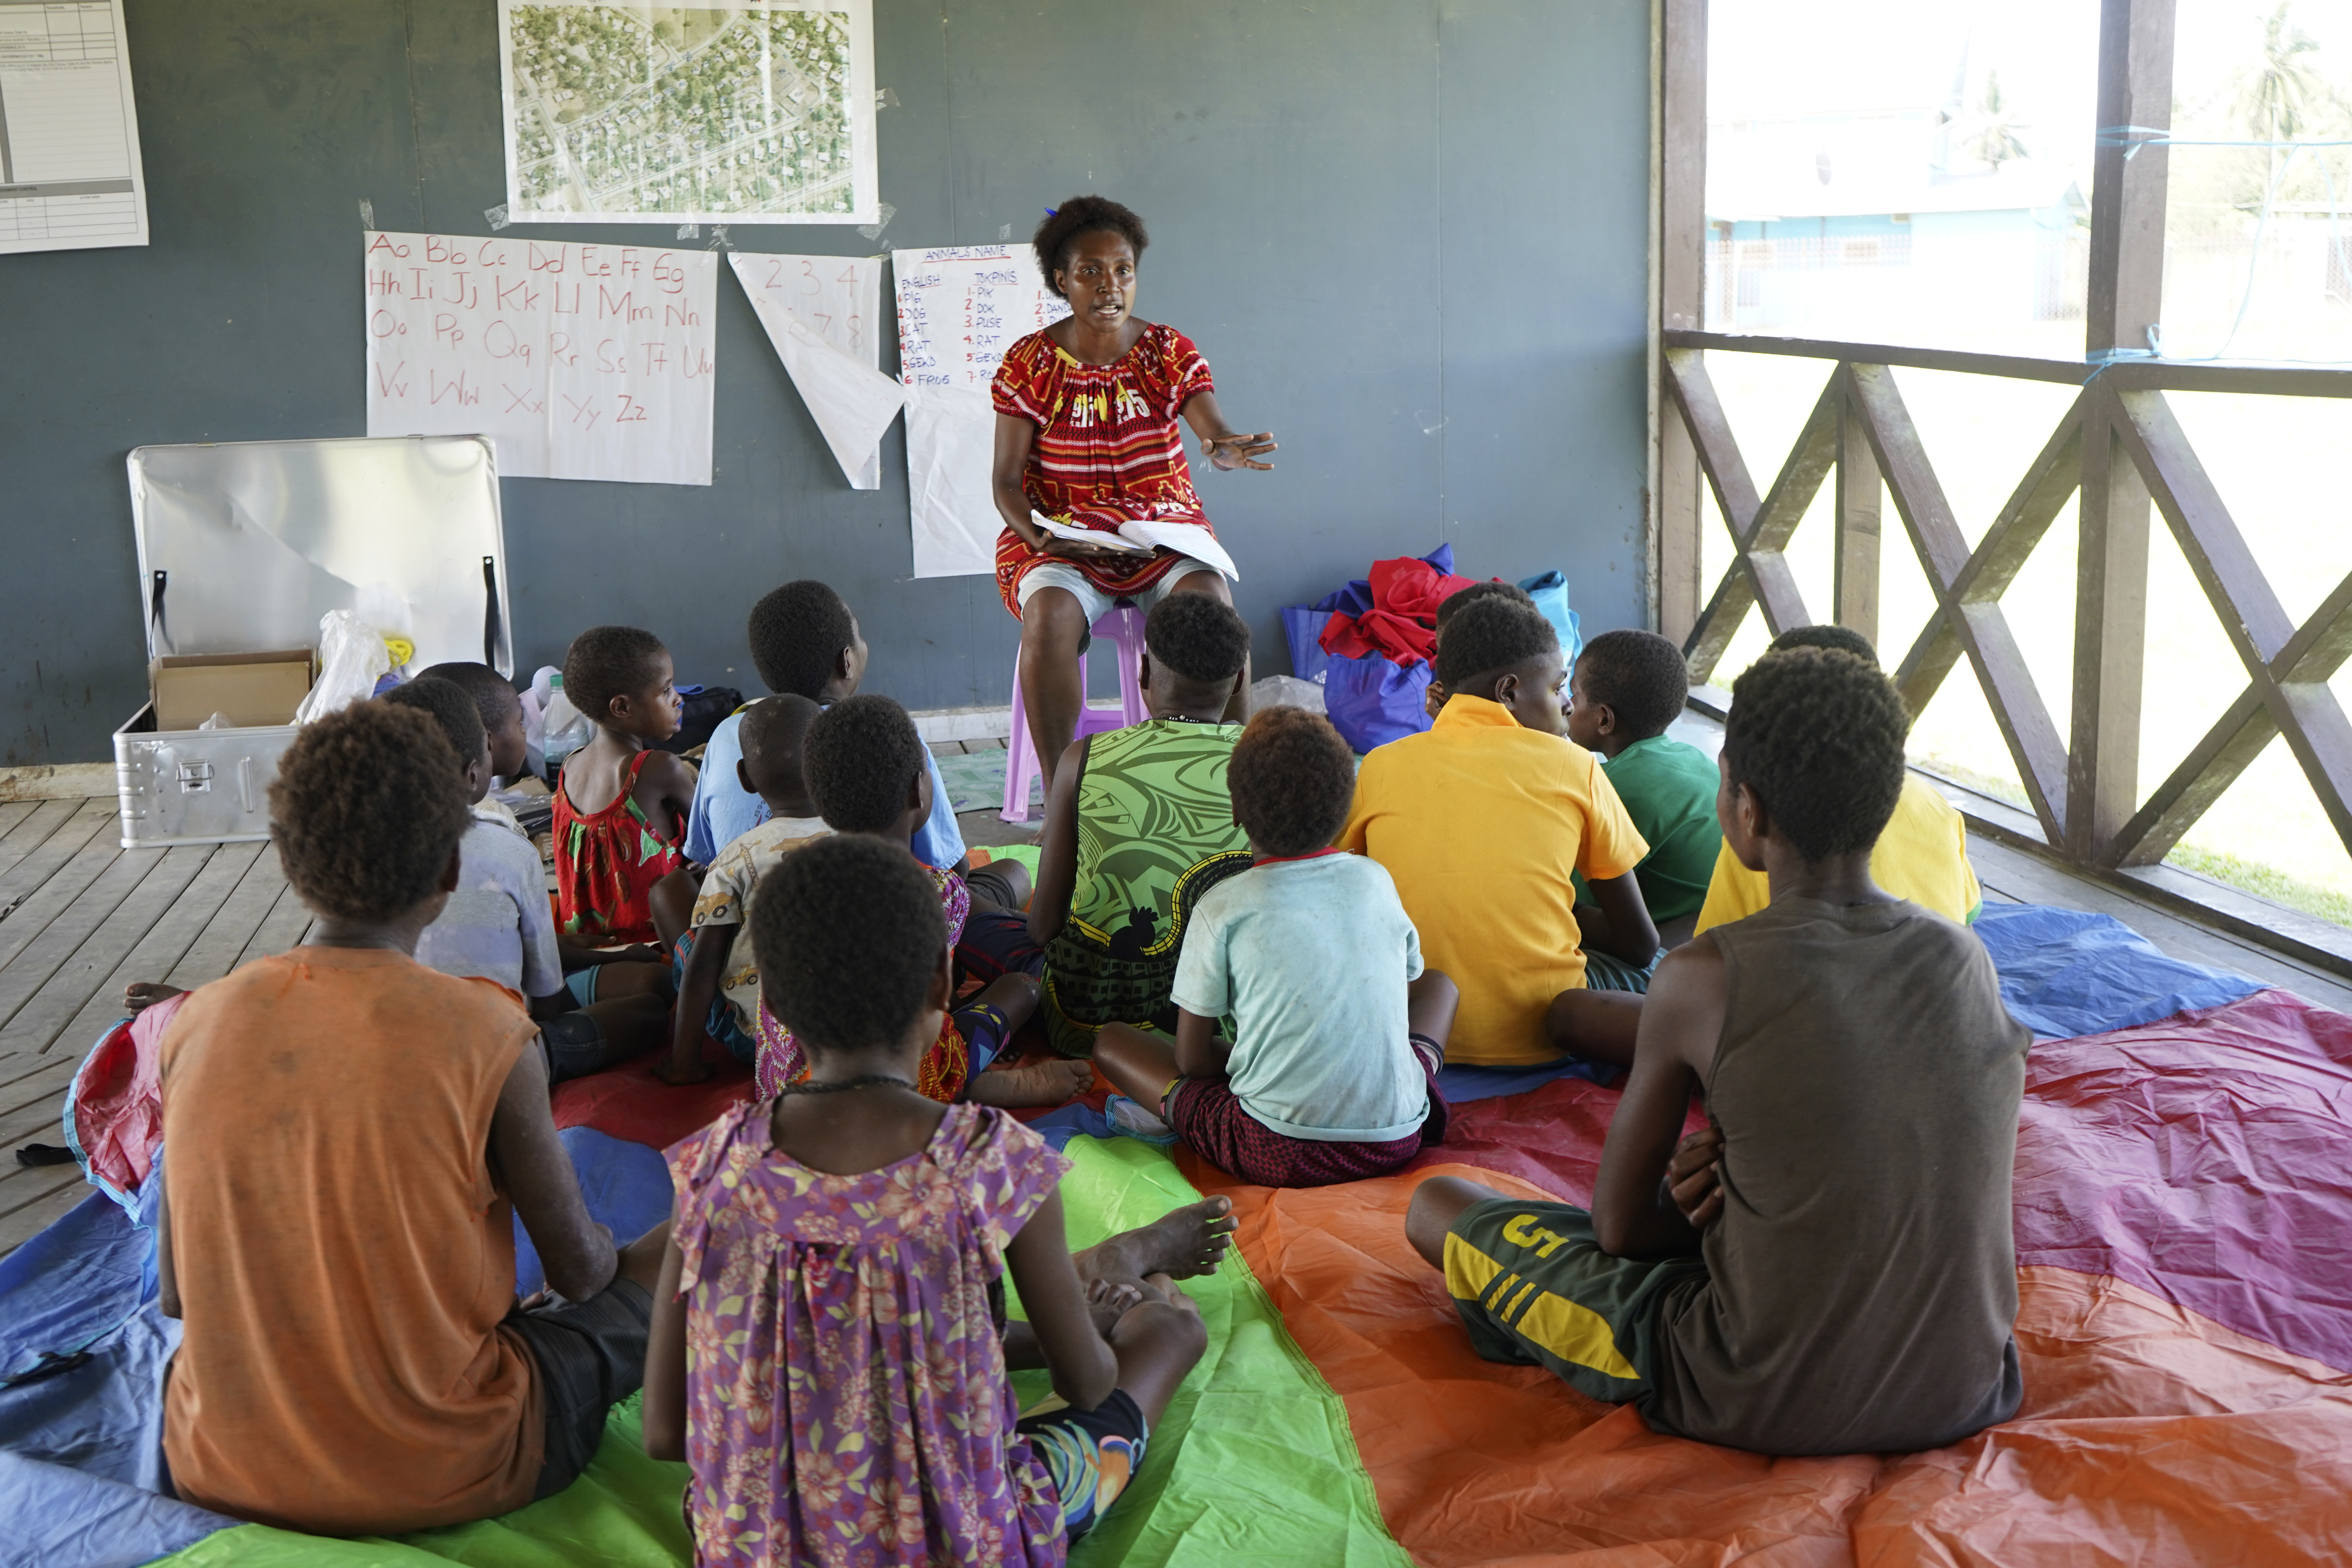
(1549, 591)
(1371, 701)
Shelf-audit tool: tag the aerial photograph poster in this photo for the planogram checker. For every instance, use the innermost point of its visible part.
(744, 114)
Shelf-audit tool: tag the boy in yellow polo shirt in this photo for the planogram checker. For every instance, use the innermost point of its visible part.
(1923, 855)
(1483, 821)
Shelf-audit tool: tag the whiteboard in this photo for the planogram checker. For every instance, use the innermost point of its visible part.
(577, 362)
(958, 310)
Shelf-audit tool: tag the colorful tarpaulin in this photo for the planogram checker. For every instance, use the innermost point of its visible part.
(2184, 1225)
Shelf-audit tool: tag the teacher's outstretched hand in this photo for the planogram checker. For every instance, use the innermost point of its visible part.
(1087, 441)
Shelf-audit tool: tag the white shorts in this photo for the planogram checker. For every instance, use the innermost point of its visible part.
(1092, 599)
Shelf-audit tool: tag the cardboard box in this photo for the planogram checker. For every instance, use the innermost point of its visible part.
(250, 688)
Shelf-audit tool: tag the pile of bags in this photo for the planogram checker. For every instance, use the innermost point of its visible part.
(1369, 645)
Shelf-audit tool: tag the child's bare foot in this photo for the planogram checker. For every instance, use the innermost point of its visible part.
(142, 994)
(1108, 1301)
(1181, 1242)
(1045, 1083)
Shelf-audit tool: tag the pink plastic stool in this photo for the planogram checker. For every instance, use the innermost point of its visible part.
(1122, 627)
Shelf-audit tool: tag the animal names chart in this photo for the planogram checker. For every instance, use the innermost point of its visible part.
(958, 310)
(70, 171)
(823, 314)
(579, 362)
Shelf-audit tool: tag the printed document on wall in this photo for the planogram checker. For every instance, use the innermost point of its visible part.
(758, 111)
(69, 173)
(958, 310)
(824, 315)
(579, 362)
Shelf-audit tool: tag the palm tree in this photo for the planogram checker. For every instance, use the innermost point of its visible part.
(1996, 127)
(2278, 98)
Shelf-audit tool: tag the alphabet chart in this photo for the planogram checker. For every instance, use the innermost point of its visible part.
(958, 310)
(580, 362)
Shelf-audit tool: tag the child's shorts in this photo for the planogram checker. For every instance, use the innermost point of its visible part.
(722, 1025)
(1092, 1455)
(1208, 1115)
(590, 1356)
(574, 1043)
(1533, 1286)
(1607, 972)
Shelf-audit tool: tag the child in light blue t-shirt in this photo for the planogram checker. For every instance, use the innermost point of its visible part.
(1329, 1071)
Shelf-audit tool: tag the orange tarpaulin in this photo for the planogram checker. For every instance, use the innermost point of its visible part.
(2149, 1433)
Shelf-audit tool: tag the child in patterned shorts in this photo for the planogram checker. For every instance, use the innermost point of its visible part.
(828, 1353)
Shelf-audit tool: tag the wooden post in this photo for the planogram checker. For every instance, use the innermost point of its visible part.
(1681, 267)
(1855, 590)
(2126, 296)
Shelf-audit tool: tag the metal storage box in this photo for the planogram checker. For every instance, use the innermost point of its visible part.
(243, 546)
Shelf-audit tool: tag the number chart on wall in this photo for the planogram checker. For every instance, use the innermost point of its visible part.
(958, 310)
(580, 362)
(822, 314)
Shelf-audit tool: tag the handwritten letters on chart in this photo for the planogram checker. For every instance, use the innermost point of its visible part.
(822, 314)
(580, 362)
(958, 310)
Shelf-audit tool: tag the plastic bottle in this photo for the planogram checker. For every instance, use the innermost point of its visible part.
(568, 728)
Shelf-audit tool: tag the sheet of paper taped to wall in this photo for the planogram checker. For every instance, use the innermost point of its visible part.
(579, 362)
(822, 313)
(958, 310)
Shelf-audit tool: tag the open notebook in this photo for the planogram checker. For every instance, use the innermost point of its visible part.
(1144, 535)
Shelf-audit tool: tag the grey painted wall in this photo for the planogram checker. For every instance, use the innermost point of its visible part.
(1409, 234)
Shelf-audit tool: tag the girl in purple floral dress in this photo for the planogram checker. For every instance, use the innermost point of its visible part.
(827, 1349)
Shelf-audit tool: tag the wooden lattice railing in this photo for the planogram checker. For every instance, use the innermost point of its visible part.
(2118, 432)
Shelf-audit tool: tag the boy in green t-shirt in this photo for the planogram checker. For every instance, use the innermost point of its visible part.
(1628, 687)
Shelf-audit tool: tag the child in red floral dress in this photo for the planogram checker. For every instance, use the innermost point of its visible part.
(620, 808)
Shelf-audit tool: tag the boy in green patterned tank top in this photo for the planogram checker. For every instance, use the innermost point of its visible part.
(1139, 826)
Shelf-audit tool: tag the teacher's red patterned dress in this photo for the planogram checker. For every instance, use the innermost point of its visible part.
(1107, 451)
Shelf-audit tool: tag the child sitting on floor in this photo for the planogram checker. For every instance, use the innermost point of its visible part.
(1485, 820)
(804, 641)
(1451, 606)
(1628, 687)
(620, 808)
(826, 1355)
(500, 707)
(497, 924)
(349, 1140)
(863, 764)
(1827, 1268)
(1139, 826)
(1338, 1032)
(1922, 856)
(718, 978)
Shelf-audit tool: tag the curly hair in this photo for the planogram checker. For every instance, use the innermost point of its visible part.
(1817, 734)
(797, 633)
(367, 807)
(1080, 215)
(1454, 603)
(860, 762)
(605, 662)
(1198, 635)
(849, 936)
(1641, 675)
(1291, 780)
(447, 704)
(1489, 633)
(494, 695)
(1841, 639)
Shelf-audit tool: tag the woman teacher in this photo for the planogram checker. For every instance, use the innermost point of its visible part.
(1086, 435)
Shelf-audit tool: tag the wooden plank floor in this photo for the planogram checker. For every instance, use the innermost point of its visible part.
(80, 918)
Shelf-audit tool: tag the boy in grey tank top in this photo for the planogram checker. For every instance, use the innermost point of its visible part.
(1827, 1267)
